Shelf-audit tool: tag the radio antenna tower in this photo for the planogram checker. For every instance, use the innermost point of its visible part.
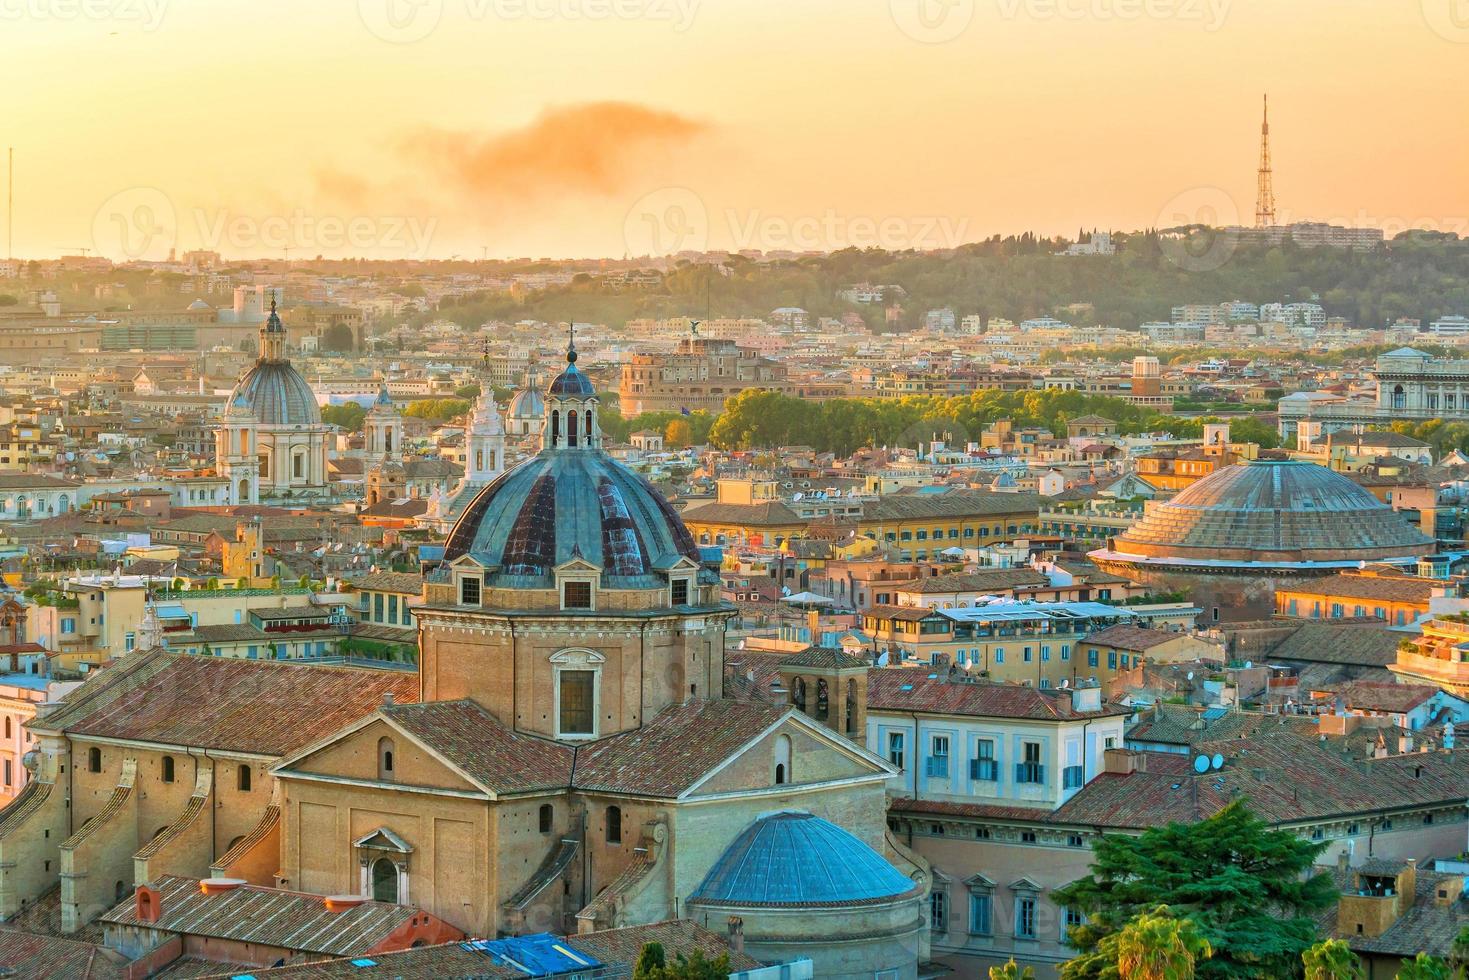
(1265, 190)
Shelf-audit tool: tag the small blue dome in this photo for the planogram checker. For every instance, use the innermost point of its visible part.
(572, 383)
(800, 859)
(527, 404)
(278, 395)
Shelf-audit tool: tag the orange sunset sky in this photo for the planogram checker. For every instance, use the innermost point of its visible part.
(429, 128)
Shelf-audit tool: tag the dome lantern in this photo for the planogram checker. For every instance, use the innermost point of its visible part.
(571, 408)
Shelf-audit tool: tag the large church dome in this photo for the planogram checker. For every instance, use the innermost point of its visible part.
(1269, 513)
(274, 390)
(278, 395)
(571, 501)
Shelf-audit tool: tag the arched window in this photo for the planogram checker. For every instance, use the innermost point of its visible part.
(298, 465)
(385, 881)
(555, 427)
(168, 769)
(244, 491)
(782, 759)
(571, 430)
(385, 758)
(589, 427)
(614, 825)
(242, 778)
(1399, 398)
(546, 815)
(94, 760)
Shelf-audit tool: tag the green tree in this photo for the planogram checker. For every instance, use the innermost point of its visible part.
(1247, 887)
(1158, 946)
(436, 409)
(338, 337)
(348, 416)
(1332, 959)
(1425, 967)
(678, 434)
(1010, 971)
(653, 965)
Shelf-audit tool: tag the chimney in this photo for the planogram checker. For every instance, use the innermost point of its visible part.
(1121, 762)
(147, 904)
(736, 934)
(1343, 861)
(1405, 743)
(387, 699)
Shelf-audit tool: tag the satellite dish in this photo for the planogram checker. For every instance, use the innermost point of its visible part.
(1190, 675)
(1217, 762)
(798, 496)
(1201, 764)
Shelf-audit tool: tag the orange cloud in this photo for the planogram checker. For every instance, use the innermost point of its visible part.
(590, 148)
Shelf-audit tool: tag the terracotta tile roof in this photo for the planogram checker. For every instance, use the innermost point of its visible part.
(955, 503)
(750, 675)
(991, 580)
(402, 582)
(994, 811)
(773, 514)
(825, 658)
(1426, 927)
(255, 706)
(26, 954)
(1361, 644)
(1380, 588)
(477, 743)
(616, 949)
(267, 917)
(1368, 696)
(930, 691)
(1285, 777)
(674, 750)
(1124, 636)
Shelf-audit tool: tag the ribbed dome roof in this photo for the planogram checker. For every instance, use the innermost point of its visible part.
(800, 859)
(557, 506)
(278, 395)
(527, 404)
(1272, 511)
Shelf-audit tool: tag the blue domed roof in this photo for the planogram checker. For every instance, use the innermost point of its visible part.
(526, 404)
(800, 859)
(562, 505)
(278, 395)
(572, 383)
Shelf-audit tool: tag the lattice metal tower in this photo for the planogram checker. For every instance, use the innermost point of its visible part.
(1265, 190)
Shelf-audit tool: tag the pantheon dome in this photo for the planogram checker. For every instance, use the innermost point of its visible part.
(1263, 515)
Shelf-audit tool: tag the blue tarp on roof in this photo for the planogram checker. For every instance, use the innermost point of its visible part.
(538, 955)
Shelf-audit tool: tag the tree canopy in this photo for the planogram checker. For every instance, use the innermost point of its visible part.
(1249, 890)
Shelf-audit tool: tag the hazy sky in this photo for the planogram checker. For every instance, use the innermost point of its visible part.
(428, 128)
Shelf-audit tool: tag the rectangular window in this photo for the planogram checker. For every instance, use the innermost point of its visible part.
(1066, 651)
(1091, 658)
(680, 590)
(1025, 918)
(938, 757)
(377, 605)
(469, 592)
(938, 912)
(984, 766)
(393, 610)
(576, 702)
(1074, 919)
(68, 625)
(1026, 654)
(999, 655)
(981, 911)
(1111, 659)
(895, 748)
(128, 641)
(1030, 770)
(1072, 777)
(576, 595)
